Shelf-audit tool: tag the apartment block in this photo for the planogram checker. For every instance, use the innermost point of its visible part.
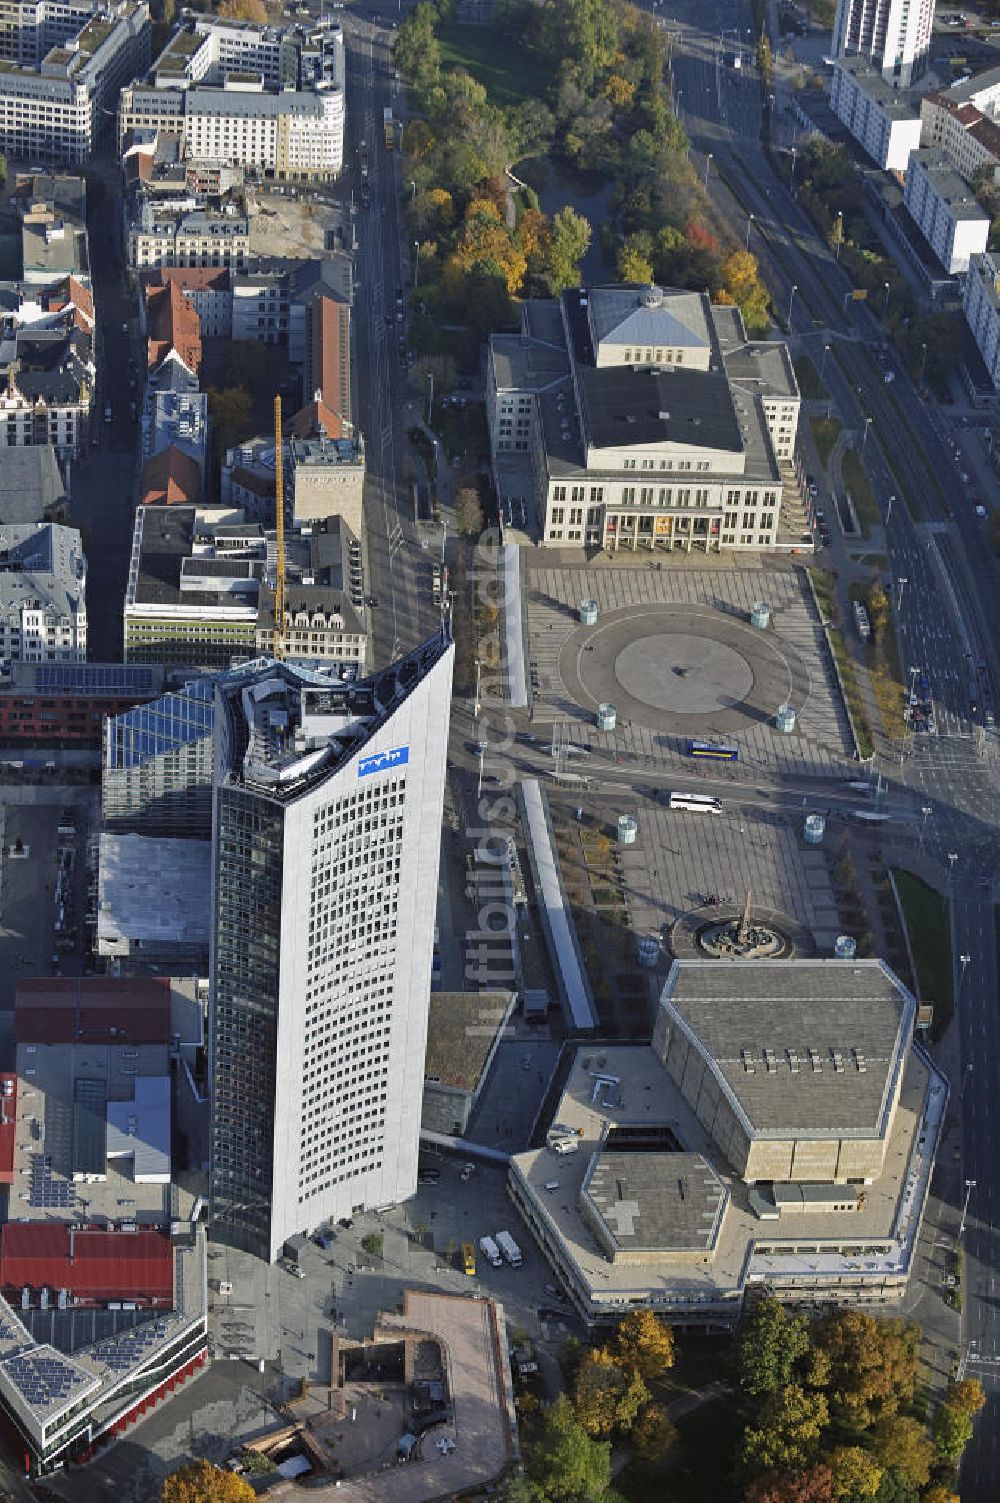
(964, 122)
(895, 35)
(981, 305)
(644, 418)
(945, 210)
(326, 840)
(884, 121)
(56, 107)
(165, 235)
(43, 603)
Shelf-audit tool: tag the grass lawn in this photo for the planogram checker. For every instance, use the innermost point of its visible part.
(882, 660)
(810, 385)
(860, 487)
(509, 73)
(927, 923)
(825, 432)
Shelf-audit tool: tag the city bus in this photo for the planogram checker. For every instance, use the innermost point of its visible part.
(713, 751)
(695, 803)
(469, 1258)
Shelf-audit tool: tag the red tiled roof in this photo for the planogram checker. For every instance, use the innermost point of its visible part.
(328, 353)
(192, 278)
(309, 421)
(89, 1264)
(173, 324)
(170, 478)
(8, 1127)
(82, 1009)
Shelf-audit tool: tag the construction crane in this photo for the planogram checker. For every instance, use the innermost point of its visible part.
(278, 647)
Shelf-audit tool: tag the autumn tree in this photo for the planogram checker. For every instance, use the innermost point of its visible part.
(786, 1431)
(243, 10)
(644, 1345)
(570, 242)
(940, 1494)
(485, 242)
(952, 1431)
(653, 1435)
(771, 1341)
(873, 1365)
(742, 285)
(814, 1485)
(201, 1482)
(231, 411)
(566, 1464)
(902, 1443)
(856, 1474)
(966, 1396)
(469, 511)
(878, 608)
(607, 1398)
(635, 259)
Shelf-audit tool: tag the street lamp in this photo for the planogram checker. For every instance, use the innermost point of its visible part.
(750, 219)
(822, 364)
(791, 182)
(926, 812)
(864, 441)
(444, 539)
(970, 1185)
(430, 401)
(885, 302)
(839, 237)
(952, 858)
(677, 103)
(963, 961)
(708, 167)
(413, 190)
(923, 363)
(416, 264)
(888, 513)
(791, 300)
(902, 582)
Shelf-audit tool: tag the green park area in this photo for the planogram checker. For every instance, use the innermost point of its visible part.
(509, 73)
(927, 919)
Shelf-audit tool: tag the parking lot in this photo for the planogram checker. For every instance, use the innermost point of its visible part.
(275, 1316)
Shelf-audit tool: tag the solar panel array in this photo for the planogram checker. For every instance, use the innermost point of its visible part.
(8, 1331)
(41, 1378)
(46, 1192)
(124, 1351)
(125, 678)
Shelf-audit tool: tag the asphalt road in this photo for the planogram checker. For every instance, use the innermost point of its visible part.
(947, 602)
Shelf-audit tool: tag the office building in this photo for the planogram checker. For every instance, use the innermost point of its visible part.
(103, 1274)
(201, 591)
(324, 473)
(66, 704)
(895, 35)
(175, 419)
(166, 234)
(326, 840)
(981, 305)
(146, 920)
(964, 122)
(56, 107)
(779, 1133)
(945, 210)
(883, 120)
(43, 604)
(157, 773)
(47, 367)
(642, 418)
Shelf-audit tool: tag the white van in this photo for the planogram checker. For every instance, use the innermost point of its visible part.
(565, 1145)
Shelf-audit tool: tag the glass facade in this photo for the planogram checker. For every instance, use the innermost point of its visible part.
(249, 833)
(158, 765)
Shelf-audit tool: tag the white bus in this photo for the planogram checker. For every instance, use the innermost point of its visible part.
(695, 803)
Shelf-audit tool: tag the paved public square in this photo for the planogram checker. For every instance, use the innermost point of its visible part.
(674, 651)
(679, 860)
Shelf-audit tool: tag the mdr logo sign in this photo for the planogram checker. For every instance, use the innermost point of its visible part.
(383, 761)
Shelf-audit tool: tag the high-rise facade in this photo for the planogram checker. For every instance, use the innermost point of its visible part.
(327, 817)
(894, 34)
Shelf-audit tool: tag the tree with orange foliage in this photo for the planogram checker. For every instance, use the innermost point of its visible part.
(201, 1482)
(814, 1485)
(243, 10)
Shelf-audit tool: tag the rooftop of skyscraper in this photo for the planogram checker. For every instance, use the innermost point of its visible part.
(290, 728)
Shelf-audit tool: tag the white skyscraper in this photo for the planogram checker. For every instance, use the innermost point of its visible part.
(894, 34)
(327, 817)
